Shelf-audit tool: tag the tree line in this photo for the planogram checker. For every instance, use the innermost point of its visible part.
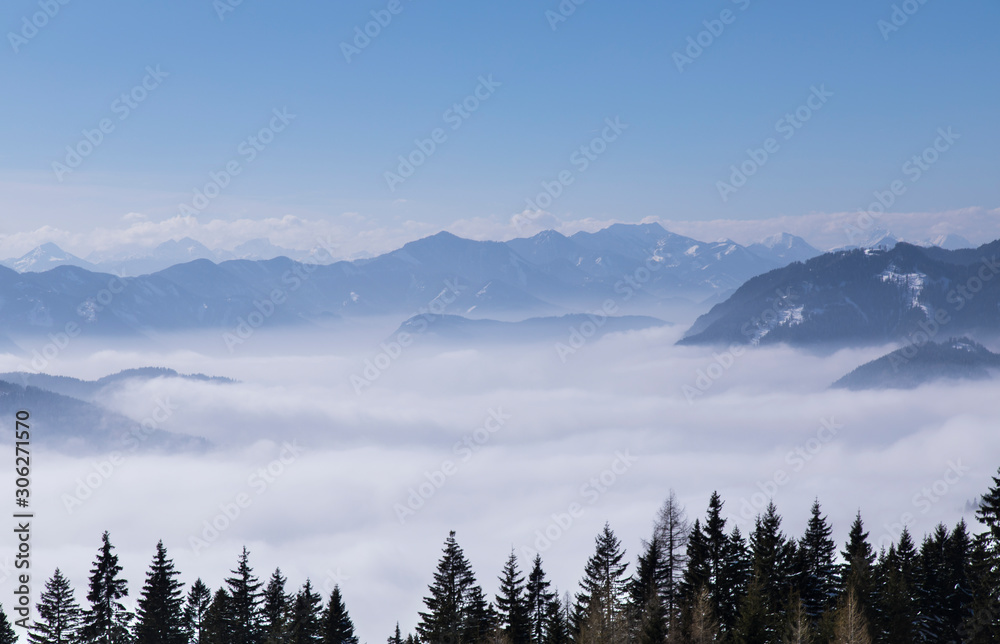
(692, 583)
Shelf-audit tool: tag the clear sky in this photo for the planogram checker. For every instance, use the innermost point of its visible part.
(550, 86)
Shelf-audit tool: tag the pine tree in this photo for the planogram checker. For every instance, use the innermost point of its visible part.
(511, 604)
(217, 625)
(337, 625)
(773, 557)
(456, 609)
(107, 620)
(304, 620)
(816, 569)
(244, 603)
(600, 608)
(557, 629)
(274, 610)
(754, 625)
(7, 634)
(737, 571)
(958, 579)
(673, 528)
(161, 604)
(646, 591)
(538, 600)
(59, 616)
(988, 512)
(396, 638)
(199, 598)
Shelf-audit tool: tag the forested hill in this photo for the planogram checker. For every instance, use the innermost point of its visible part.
(691, 583)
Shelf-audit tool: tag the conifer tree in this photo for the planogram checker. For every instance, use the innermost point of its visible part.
(244, 603)
(161, 604)
(646, 591)
(456, 609)
(798, 627)
(538, 600)
(600, 608)
(59, 616)
(732, 585)
(858, 572)
(274, 609)
(199, 598)
(816, 569)
(703, 629)
(337, 625)
(773, 557)
(511, 604)
(107, 620)
(557, 629)
(217, 625)
(304, 620)
(898, 597)
(396, 638)
(7, 634)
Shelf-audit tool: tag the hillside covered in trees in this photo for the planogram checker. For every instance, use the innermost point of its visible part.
(692, 583)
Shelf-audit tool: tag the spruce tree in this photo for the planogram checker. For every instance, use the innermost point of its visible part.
(396, 638)
(703, 629)
(858, 572)
(456, 609)
(773, 557)
(161, 604)
(851, 626)
(337, 625)
(305, 617)
(107, 620)
(816, 569)
(734, 580)
(7, 634)
(646, 590)
(600, 608)
(244, 603)
(199, 598)
(538, 600)
(898, 597)
(217, 626)
(274, 610)
(59, 616)
(511, 604)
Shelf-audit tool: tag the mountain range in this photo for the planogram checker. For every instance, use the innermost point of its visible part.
(641, 268)
(863, 296)
(914, 365)
(67, 415)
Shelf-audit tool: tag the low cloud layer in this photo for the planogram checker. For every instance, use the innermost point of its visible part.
(511, 447)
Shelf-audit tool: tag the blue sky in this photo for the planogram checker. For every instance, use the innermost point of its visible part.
(889, 96)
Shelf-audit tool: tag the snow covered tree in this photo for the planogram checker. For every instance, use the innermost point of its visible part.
(107, 620)
(244, 603)
(337, 625)
(161, 604)
(199, 598)
(59, 616)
